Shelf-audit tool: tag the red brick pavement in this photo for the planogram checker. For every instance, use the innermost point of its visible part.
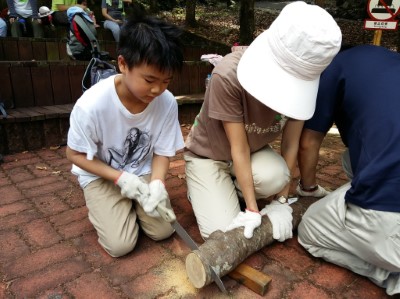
(49, 248)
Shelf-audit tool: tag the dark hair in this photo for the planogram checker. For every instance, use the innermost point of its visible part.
(147, 39)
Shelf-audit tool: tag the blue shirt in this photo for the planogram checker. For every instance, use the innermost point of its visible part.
(359, 91)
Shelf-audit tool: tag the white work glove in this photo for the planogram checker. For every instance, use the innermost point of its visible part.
(280, 215)
(158, 196)
(133, 187)
(250, 220)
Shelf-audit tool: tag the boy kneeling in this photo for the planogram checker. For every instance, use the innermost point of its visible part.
(123, 131)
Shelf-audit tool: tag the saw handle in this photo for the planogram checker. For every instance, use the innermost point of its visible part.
(167, 214)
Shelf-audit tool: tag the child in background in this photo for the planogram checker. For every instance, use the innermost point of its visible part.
(60, 8)
(24, 18)
(86, 9)
(114, 14)
(45, 15)
(3, 24)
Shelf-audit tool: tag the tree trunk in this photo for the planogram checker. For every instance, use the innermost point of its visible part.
(246, 19)
(153, 6)
(190, 18)
(320, 3)
(398, 41)
(225, 251)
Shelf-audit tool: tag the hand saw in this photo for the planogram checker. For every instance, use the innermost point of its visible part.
(169, 216)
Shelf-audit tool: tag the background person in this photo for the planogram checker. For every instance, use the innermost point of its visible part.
(3, 23)
(114, 15)
(24, 19)
(60, 8)
(45, 15)
(87, 10)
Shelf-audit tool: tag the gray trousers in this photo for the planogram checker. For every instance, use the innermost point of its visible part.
(114, 27)
(364, 241)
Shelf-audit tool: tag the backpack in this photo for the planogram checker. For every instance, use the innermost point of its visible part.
(3, 111)
(4, 105)
(82, 42)
(83, 45)
(96, 71)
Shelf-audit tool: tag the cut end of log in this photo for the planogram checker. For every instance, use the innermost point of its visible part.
(195, 270)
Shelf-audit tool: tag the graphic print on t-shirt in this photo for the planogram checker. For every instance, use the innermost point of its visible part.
(133, 151)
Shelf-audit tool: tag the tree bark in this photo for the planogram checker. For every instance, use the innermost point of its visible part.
(225, 251)
(153, 6)
(398, 41)
(190, 18)
(246, 18)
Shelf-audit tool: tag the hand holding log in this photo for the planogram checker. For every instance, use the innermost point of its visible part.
(280, 215)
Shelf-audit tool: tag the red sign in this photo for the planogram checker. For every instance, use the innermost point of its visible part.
(383, 10)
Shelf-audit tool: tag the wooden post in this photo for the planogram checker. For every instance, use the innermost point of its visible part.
(377, 37)
(225, 251)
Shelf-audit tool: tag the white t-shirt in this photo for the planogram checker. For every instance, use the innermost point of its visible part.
(102, 127)
(23, 8)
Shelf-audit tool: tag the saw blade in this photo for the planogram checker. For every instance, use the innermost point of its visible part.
(169, 216)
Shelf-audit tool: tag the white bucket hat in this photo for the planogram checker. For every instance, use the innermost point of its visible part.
(282, 66)
(44, 11)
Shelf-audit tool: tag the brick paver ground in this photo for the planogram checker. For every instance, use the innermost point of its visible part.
(49, 248)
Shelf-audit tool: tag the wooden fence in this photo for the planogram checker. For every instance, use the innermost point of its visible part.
(44, 83)
(54, 49)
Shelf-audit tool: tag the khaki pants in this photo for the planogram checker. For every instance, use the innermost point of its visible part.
(115, 218)
(364, 241)
(212, 187)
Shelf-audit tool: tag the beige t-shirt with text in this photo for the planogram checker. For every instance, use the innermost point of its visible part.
(226, 100)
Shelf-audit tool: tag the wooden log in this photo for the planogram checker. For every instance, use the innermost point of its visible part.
(225, 251)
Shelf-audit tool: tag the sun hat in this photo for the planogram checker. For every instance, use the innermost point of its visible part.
(282, 66)
(44, 11)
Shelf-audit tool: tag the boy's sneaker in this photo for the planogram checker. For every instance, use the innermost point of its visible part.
(318, 192)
